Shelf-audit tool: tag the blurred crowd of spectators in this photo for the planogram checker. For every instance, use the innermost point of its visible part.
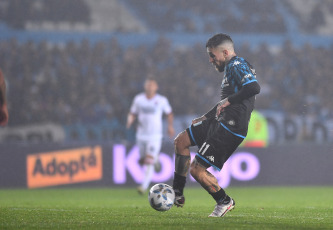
(208, 16)
(195, 16)
(16, 13)
(237, 16)
(86, 82)
(313, 17)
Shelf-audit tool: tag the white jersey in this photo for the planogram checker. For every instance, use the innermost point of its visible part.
(149, 114)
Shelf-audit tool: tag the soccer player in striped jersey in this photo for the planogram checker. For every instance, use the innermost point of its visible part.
(221, 130)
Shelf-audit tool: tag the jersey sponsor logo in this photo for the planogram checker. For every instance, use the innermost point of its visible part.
(248, 75)
(245, 78)
(148, 109)
(236, 63)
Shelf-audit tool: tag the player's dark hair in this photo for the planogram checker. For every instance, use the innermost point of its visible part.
(151, 78)
(217, 40)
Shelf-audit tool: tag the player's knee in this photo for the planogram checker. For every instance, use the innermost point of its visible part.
(180, 142)
(147, 160)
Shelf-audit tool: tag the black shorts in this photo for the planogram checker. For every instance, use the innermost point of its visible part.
(216, 143)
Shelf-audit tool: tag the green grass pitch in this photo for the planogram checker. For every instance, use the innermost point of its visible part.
(122, 208)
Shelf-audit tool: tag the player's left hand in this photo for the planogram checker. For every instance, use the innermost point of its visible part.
(221, 105)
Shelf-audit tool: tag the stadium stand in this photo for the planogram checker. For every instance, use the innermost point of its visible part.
(239, 16)
(73, 15)
(18, 13)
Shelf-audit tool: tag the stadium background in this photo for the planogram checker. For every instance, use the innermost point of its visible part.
(73, 67)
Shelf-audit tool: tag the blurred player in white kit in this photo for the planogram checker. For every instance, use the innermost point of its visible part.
(148, 108)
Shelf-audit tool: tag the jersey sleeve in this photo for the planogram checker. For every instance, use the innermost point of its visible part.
(244, 74)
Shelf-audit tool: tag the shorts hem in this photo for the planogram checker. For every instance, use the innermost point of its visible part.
(208, 162)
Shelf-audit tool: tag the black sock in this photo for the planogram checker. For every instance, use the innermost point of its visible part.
(179, 184)
(219, 196)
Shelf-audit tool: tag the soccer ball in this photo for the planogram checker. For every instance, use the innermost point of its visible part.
(161, 197)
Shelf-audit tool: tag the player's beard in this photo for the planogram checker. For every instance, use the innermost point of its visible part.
(219, 66)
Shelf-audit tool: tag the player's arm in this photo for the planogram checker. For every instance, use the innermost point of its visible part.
(246, 77)
(3, 101)
(247, 91)
(132, 114)
(171, 130)
(130, 119)
(249, 87)
(167, 110)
